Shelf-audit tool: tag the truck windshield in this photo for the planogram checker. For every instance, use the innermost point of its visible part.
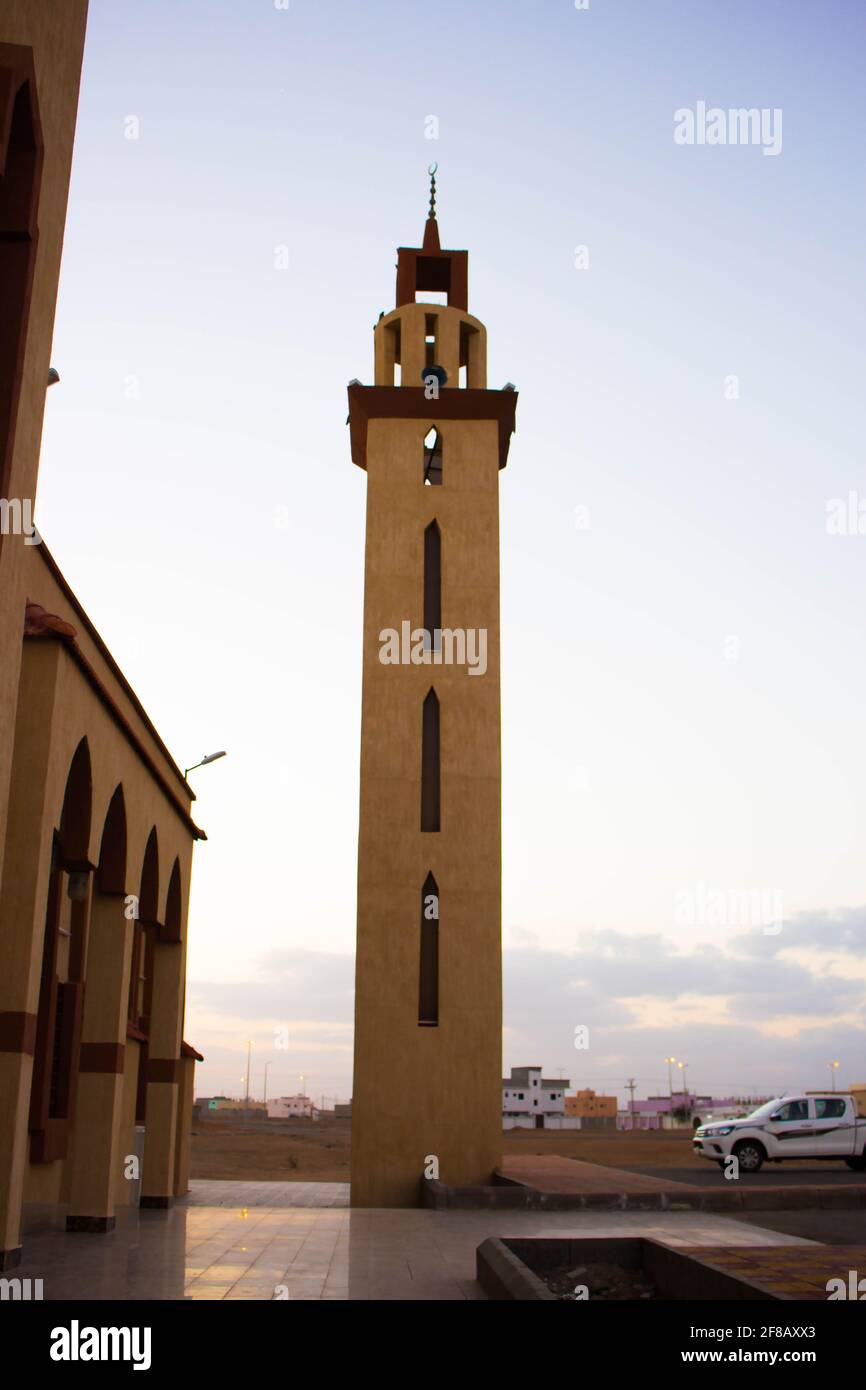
(765, 1111)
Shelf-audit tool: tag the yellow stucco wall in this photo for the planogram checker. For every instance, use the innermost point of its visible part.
(425, 1091)
(51, 699)
(55, 32)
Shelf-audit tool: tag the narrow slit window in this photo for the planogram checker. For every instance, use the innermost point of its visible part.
(430, 763)
(432, 587)
(428, 983)
(430, 322)
(433, 458)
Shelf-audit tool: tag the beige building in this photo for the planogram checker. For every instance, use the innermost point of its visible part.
(96, 834)
(586, 1105)
(428, 1006)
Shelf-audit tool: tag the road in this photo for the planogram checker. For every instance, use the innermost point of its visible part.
(771, 1175)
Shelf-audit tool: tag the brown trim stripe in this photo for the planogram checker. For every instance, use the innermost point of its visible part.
(17, 1032)
(102, 1057)
(164, 1069)
(410, 403)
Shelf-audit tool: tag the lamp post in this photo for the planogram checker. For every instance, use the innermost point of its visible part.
(670, 1061)
(834, 1067)
(249, 1055)
(682, 1066)
(209, 758)
(267, 1064)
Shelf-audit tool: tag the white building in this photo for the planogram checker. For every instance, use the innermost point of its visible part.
(532, 1101)
(292, 1107)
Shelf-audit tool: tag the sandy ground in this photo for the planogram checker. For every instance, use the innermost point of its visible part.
(282, 1150)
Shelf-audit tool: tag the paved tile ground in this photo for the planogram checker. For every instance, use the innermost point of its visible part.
(800, 1274)
(213, 1250)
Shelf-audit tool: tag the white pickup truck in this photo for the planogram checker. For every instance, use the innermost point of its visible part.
(812, 1125)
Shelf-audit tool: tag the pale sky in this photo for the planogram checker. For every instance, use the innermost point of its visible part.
(684, 665)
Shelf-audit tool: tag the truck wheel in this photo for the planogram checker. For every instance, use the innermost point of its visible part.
(858, 1164)
(750, 1155)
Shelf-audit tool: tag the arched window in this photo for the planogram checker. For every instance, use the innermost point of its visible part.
(433, 458)
(111, 876)
(428, 982)
(430, 763)
(433, 587)
(61, 991)
(142, 941)
(173, 907)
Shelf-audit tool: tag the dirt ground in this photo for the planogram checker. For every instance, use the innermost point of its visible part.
(616, 1149)
(308, 1151)
(271, 1150)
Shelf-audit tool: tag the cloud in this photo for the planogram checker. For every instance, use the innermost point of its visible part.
(741, 1014)
(843, 929)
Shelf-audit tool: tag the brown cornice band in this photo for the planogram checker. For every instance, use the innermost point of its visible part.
(135, 743)
(17, 1032)
(51, 564)
(411, 403)
(106, 1058)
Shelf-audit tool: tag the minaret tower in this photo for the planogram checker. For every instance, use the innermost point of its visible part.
(428, 989)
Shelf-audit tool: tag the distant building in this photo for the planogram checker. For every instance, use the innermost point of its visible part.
(682, 1110)
(221, 1105)
(344, 1111)
(292, 1107)
(594, 1112)
(531, 1101)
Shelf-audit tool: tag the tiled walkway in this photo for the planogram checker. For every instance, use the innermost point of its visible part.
(798, 1274)
(263, 1249)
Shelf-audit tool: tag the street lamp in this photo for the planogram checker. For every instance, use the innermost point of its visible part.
(834, 1067)
(670, 1061)
(682, 1066)
(209, 758)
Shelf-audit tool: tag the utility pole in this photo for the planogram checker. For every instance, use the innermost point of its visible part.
(249, 1054)
(630, 1086)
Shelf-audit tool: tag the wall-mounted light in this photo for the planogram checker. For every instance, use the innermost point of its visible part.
(53, 376)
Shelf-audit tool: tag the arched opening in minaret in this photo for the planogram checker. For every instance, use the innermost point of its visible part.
(428, 982)
(432, 587)
(430, 762)
(433, 451)
(471, 365)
